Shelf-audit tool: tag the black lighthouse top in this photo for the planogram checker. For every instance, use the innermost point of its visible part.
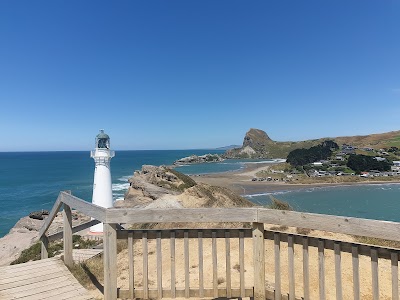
(102, 140)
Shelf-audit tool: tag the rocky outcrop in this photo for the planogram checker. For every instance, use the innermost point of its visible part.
(39, 215)
(26, 232)
(161, 187)
(256, 144)
(194, 159)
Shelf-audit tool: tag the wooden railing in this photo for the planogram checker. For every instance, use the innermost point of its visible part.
(288, 274)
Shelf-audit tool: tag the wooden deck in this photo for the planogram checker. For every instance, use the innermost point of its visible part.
(81, 255)
(43, 279)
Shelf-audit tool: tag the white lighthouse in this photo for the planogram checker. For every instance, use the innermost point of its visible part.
(102, 189)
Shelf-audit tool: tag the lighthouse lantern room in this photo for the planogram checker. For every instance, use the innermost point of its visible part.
(102, 185)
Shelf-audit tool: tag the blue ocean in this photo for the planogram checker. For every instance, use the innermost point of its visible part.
(31, 181)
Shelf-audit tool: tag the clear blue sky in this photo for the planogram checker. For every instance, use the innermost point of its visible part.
(195, 74)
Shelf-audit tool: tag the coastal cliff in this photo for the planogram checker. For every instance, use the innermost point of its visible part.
(161, 187)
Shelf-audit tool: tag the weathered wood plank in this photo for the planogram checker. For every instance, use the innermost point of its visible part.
(259, 261)
(53, 213)
(338, 272)
(194, 293)
(215, 264)
(321, 270)
(159, 266)
(89, 209)
(173, 274)
(186, 254)
(34, 288)
(59, 294)
(228, 264)
(292, 293)
(131, 266)
(110, 261)
(277, 260)
(347, 225)
(306, 270)
(29, 280)
(179, 232)
(176, 215)
(356, 273)
(395, 275)
(44, 247)
(83, 226)
(363, 249)
(375, 274)
(241, 264)
(35, 265)
(67, 237)
(44, 279)
(19, 276)
(145, 266)
(201, 266)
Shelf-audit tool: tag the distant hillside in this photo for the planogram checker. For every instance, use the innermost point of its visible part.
(257, 144)
(228, 147)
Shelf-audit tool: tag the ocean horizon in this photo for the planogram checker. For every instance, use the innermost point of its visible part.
(31, 181)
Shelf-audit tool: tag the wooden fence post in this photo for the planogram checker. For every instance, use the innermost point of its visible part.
(67, 236)
(110, 261)
(44, 241)
(259, 261)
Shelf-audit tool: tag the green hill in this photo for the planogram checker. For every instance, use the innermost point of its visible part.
(257, 144)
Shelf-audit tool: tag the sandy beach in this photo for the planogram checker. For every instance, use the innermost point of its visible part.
(241, 181)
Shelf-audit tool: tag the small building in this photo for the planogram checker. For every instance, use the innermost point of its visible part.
(378, 158)
(339, 157)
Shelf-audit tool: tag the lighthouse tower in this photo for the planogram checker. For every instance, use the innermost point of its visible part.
(102, 189)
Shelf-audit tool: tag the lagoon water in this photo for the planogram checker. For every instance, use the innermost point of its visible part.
(377, 201)
(32, 181)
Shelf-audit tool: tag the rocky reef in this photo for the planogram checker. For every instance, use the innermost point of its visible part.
(195, 159)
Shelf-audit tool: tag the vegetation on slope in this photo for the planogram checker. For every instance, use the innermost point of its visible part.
(360, 163)
(301, 157)
(187, 181)
(55, 248)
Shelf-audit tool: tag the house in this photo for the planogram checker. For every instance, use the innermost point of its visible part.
(317, 164)
(347, 149)
(339, 157)
(378, 158)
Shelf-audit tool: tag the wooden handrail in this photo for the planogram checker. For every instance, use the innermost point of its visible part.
(346, 225)
(181, 215)
(89, 209)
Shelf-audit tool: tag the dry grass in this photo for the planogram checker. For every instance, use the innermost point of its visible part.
(279, 228)
(279, 204)
(303, 231)
(90, 273)
(377, 242)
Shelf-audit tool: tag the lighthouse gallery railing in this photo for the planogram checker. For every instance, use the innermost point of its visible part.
(255, 239)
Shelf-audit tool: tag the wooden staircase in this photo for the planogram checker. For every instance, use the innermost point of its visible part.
(43, 279)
